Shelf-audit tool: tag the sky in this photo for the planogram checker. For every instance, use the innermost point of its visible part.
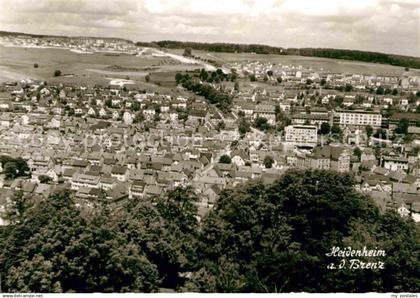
(390, 26)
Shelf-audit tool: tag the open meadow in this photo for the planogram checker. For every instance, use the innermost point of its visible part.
(89, 69)
(318, 64)
(80, 68)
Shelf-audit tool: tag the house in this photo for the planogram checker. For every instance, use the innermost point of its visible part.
(128, 118)
(394, 163)
(87, 193)
(239, 157)
(367, 155)
(91, 112)
(358, 118)
(301, 135)
(5, 120)
(120, 172)
(349, 100)
(265, 111)
(413, 119)
(152, 190)
(102, 113)
(136, 189)
(115, 115)
(334, 158)
(340, 159)
(85, 180)
(107, 182)
(310, 119)
(212, 193)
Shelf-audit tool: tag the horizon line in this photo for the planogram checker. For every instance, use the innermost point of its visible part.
(203, 42)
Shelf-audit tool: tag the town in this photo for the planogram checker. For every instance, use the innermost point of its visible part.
(118, 142)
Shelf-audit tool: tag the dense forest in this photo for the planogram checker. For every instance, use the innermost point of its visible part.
(258, 238)
(221, 47)
(365, 56)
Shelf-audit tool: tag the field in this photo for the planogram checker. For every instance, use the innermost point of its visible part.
(89, 69)
(18, 63)
(318, 64)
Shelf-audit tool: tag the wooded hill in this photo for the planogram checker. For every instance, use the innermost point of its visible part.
(258, 238)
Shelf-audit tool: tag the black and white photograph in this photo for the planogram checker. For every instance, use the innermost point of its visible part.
(210, 146)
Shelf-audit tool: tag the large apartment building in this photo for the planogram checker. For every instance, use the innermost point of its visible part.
(301, 135)
(358, 118)
(334, 158)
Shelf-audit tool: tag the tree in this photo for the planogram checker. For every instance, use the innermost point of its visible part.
(277, 237)
(57, 248)
(108, 103)
(338, 100)
(252, 77)
(348, 88)
(236, 86)
(10, 170)
(147, 78)
(323, 82)
(139, 117)
(215, 96)
(268, 162)
(369, 131)
(262, 123)
(243, 127)
(57, 73)
(357, 152)
(225, 159)
(16, 211)
(180, 208)
(270, 73)
(136, 106)
(178, 78)
(380, 90)
(325, 128)
(381, 134)
(35, 65)
(187, 52)
(402, 126)
(279, 80)
(221, 125)
(14, 167)
(157, 109)
(44, 179)
(335, 129)
(204, 74)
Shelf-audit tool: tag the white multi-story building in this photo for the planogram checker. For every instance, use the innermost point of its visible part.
(84, 180)
(302, 135)
(358, 118)
(265, 111)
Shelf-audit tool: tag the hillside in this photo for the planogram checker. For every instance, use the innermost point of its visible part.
(365, 56)
(16, 34)
(346, 54)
